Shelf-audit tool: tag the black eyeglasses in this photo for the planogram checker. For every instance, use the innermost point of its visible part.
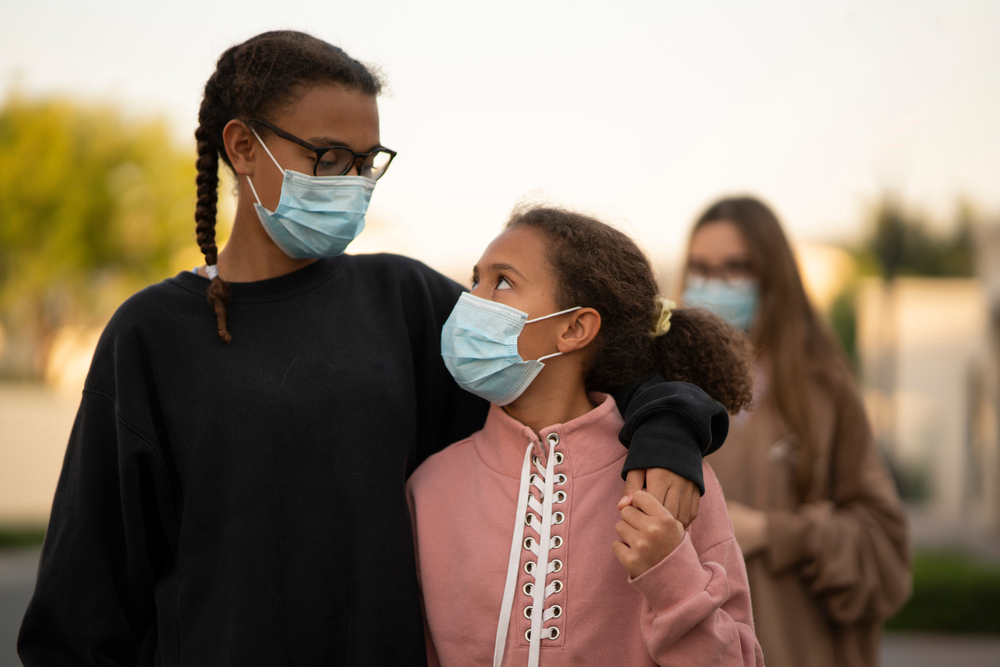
(339, 159)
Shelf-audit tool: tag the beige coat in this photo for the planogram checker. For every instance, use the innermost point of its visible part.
(835, 567)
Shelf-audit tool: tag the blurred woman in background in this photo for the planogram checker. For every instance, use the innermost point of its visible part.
(812, 504)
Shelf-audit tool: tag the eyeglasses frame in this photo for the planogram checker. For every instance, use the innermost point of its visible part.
(320, 151)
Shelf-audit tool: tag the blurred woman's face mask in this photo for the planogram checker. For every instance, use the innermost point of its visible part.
(734, 301)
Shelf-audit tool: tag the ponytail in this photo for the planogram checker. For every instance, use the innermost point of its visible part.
(706, 351)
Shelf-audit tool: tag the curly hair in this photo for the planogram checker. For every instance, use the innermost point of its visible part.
(599, 267)
(253, 80)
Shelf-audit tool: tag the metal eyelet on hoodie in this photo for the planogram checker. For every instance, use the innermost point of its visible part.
(537, 513)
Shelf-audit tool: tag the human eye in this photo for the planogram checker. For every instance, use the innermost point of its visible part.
(475, 282)
(503, 284)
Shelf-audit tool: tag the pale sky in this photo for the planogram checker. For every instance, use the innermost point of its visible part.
(642, 113)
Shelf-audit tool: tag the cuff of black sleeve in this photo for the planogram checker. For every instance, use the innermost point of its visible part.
(671, 443)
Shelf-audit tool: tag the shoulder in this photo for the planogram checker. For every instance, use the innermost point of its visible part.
(151, 313)
(395, 265)
(424, 293)
(455, 459)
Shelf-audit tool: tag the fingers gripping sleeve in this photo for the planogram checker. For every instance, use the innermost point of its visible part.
(670, 425)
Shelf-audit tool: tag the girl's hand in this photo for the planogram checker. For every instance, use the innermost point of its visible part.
(679, 495)
(648, 534)
(749, 527)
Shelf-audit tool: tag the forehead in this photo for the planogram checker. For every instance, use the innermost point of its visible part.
(721, 239)
(331, 112)
(518, 246)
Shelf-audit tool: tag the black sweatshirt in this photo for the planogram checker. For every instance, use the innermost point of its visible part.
(244, 504)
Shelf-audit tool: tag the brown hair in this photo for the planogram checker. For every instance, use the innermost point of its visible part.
(599, 267)
(252, 80)
(785, 321)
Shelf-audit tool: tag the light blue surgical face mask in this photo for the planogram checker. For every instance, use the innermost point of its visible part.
(734, 302)
(317, 216)
(479, 347)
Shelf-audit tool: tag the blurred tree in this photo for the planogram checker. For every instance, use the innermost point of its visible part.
(900, 243)
(92, 206)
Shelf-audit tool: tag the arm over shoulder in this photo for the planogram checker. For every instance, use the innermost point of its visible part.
(670, 425)
(446, 412)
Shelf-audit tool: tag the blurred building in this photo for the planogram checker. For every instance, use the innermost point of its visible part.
(929, 350)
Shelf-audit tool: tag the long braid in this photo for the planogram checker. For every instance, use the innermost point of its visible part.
(251, 80)
(205, 217)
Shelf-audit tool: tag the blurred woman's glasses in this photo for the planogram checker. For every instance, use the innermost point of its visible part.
(733, 272)
(338, 160)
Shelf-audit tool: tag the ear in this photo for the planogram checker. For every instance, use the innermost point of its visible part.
(240, 147)
(582, 328)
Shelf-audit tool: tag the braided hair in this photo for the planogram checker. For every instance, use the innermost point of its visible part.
(253, 80)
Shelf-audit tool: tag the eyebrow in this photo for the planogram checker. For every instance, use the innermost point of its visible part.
(330, 142)
(506, 267)
(498, 267)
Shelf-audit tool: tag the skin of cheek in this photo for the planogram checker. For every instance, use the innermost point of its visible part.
(524, 248)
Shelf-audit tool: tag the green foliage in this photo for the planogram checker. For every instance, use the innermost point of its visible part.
(843, 320)
(21, 536)
(900, 243)
(951, 593)
(89, 202)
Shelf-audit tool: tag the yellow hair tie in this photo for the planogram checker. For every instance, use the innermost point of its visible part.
(662, 324)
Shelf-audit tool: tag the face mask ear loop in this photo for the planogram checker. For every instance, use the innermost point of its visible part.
(561, 312)
(249, 180)
(267, 150)
(539, 319)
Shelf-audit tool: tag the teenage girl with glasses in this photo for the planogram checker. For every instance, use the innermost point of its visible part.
(515, 525)
(233, 489)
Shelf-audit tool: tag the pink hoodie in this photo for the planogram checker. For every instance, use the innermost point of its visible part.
(693, 608)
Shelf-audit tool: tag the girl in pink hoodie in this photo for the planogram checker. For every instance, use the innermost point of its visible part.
(515, 526)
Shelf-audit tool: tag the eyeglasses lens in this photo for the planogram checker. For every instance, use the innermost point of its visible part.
(336, 161)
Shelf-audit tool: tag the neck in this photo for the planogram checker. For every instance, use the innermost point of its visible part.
(556, 396)
(250, 254)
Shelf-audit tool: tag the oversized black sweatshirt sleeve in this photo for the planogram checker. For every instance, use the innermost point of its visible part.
(670, 425)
